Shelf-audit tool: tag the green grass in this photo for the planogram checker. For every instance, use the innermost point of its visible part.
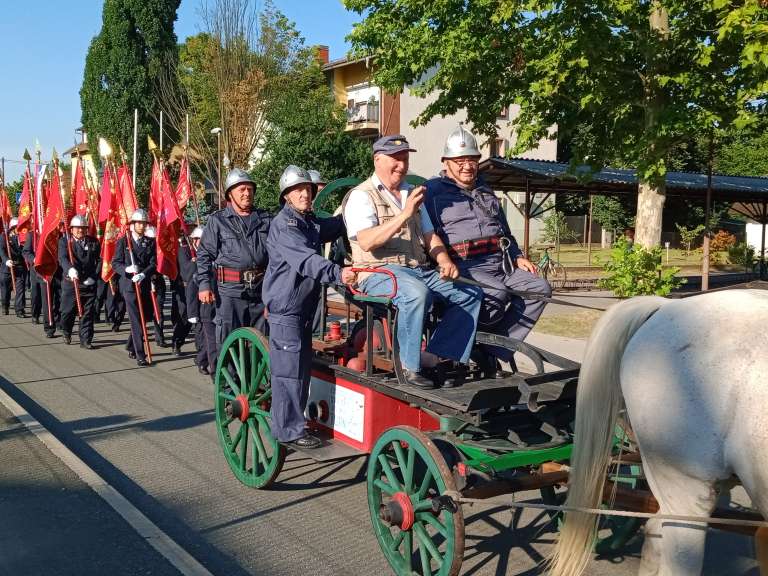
(577, 324)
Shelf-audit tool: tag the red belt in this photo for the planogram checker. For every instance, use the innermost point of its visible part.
(472, 248)
(249, 276)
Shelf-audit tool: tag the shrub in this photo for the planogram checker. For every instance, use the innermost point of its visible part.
(688, 236)
(722, 241)
(635, 271)
(741, 254)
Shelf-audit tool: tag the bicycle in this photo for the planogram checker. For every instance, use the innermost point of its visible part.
(550, 268)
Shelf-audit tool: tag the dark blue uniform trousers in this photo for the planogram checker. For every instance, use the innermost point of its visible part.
(53, 289)
(135, 341)
(36, 288)
(290, 364)
(6, 281)
(235, 311)
(69, 310)
(504, 313)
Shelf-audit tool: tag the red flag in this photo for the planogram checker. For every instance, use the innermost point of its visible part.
(25, 208)
(184, 186)
(156, 192)
(109, 222)
(168, 224)
(126, 195)
(5, 206)
(79, 191)
(46, 256)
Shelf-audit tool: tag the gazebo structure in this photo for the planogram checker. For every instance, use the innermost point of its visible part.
(748, 195)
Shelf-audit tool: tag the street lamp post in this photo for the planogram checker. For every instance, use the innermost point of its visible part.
(217, 131)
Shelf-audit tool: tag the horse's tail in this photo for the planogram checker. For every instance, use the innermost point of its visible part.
(598, 401)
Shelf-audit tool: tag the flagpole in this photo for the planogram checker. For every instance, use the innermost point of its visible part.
(6, 226)
(68, 239)
(161, 131)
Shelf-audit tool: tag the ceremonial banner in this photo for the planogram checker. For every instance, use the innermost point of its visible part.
(155, 192)
(47, 251)
(184, 186)
(168, 224)
(109, 222)
(25, 208)
(126, 195)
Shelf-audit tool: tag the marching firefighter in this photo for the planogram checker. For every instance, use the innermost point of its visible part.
(291, 294)
(200, 315)
(79, 255)
(135, 260)
(186, 260)
(233, 253)
(157, 291)
(468, 218)
(36, 283)
(15, 261)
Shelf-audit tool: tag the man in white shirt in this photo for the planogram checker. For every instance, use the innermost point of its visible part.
(389, 228)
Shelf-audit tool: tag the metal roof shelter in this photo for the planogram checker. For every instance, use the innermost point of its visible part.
(748, 194)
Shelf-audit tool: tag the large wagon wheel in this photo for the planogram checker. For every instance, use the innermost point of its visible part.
(243, 398)
(418, 533)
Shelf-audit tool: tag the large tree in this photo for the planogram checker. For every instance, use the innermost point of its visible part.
(642, 76)
(306, 127)
(122, 68)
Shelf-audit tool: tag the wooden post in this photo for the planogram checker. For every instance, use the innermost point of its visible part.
(705, 247)
(527, 218)
(589, 233)
(762, 245)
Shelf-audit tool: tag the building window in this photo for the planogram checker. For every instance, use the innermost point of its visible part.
(498, 147)
(504, 114)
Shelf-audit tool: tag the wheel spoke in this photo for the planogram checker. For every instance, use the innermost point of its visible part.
(260, 447)
(242, 370)
(229, 379)
(384, 487)
(257, 380)
(400, 456)
(237, 439)
(430, 519)
(426, 541)
(227, 422)
(244, 447)
(424, 555)
(254, 452)
(387, 469)
(397, 541)
(422, 505)
(426, 481)
(226, 396)
(409, 469)
(408, 548)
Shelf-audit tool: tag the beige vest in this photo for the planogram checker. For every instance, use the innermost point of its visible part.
(405, 248)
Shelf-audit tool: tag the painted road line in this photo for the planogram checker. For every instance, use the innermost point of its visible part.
(159, 540)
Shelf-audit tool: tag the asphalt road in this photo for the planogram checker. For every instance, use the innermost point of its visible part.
(150, 433)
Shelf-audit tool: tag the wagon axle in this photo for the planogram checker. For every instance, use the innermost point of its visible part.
(238, 409)
(398, 511)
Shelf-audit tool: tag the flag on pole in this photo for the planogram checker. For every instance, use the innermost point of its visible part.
(40, 198)
(25, 207)
(46, 256)
(5, 206)
(109, 222)
(155, 192)
(168, 225)
(184, 186)
(126, 195)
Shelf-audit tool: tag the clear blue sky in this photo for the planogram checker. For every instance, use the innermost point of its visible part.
(43, 54)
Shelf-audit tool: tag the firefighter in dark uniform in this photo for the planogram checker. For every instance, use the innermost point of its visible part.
(468, 217)
(135, 267)
(291, 295)
(158, 292)
(36, 285)
(233, 251)
(13, 260)
(53, 291)
(115, 303)
(84, 268)
(186, 260)
(201, 316)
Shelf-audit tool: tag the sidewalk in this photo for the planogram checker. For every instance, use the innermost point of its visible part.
(53, 523)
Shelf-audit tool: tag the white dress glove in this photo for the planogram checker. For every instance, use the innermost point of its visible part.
(138, 277)
(72, 273)
(193, 320)
(89, 282)
(9, 263)
(130, 269)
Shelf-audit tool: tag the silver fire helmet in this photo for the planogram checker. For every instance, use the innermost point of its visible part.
(139, 215)
(460, 143)
(317, 178)
(78, 221)
(237, 176)
(13, 223)
(292, 176)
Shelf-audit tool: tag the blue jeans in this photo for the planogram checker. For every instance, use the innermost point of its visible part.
(417, 289)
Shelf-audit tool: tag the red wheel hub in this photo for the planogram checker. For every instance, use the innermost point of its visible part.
(242, 400)
(404, 502)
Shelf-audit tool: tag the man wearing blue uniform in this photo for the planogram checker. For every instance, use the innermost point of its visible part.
(13, 260)
(388, 228)
(199, 315)
(233, 252)
(467, 216)
(36, 283)
(291, 295)
(136, 263)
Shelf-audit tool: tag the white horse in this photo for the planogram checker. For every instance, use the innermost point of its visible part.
(694, 378)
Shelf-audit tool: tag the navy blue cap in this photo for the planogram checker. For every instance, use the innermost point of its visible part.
(391, 144)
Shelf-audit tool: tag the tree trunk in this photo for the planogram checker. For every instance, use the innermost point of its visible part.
(650, 207)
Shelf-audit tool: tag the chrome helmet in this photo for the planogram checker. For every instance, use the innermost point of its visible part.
(460, 143)
(317, 178)
(78, 221)
(237, 176)
(292, 176)
(140, 215)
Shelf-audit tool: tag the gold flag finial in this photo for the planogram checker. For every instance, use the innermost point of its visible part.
(151, 144)
(105, 150)
(26, 156)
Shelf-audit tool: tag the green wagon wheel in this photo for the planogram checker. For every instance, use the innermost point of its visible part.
(243, 398)
(406, 473)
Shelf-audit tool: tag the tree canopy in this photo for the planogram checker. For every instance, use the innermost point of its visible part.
(122, 67)
(637, 77)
